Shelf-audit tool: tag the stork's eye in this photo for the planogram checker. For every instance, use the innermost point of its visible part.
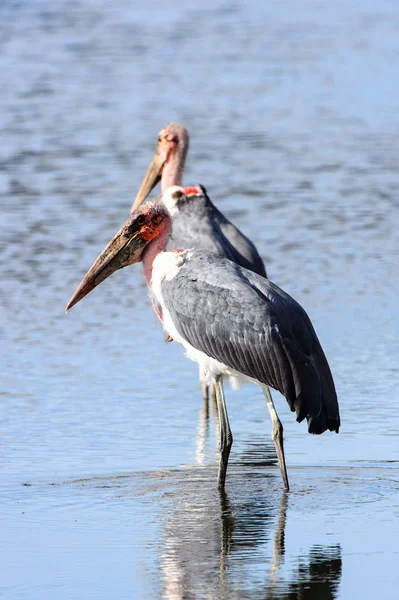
(140, 220)
(177, 195)
(171, 138)
(159, 139)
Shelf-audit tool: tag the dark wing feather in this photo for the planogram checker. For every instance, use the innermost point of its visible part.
(199, 224)
(249, 256)
(248, 323)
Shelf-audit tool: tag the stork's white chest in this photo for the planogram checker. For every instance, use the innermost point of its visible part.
(166, 265)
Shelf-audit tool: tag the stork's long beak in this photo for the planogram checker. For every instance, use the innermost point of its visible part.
(152, 177)
(124, 249)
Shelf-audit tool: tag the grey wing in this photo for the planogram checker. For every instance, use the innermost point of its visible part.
(199, 224)
(246, 322)
(251, 258)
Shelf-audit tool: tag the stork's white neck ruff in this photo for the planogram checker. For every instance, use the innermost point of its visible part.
(166, 265)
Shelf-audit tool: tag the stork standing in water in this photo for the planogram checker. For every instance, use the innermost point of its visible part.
(233, 322)
(197, 223)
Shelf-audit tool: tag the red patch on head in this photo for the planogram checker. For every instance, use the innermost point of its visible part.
(152, 223)
(191, 190)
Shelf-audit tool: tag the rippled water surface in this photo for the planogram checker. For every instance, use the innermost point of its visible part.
(108, 458)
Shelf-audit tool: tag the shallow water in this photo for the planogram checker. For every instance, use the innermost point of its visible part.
(109, 461)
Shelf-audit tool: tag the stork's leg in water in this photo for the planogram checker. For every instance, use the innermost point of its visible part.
(212, 394)
(204, 384)
(208, 389)
(277, 435)
(226, 437)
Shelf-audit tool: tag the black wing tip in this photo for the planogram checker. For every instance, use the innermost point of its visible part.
(321, 423)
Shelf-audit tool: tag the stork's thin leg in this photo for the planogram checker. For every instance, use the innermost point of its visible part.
(208, 389)
(277, 435)
(204, 384)
(202, 433)
(226, 437)
(212, 394)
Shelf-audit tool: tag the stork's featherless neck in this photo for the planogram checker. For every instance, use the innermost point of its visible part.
(172, 173)
(156, 246)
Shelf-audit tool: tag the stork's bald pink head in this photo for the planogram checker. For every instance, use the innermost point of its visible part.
(173, 140)
(168, 161)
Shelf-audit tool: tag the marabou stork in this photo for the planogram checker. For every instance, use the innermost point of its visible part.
(235, 323)
(197, 223)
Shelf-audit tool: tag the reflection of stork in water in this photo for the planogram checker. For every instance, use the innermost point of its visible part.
(227, 539)
(233, 545)
(197, 223)
(244, 529)
(233, 322)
